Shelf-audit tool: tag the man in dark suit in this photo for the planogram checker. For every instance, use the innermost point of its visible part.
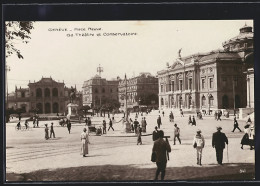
(159, 121)
(218, 142)
(161, 147)
(155, 134)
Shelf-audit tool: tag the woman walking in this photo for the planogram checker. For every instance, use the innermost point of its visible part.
(139, 134)
(46, 131)
(245, 139)
(199, 144)
(84, 142)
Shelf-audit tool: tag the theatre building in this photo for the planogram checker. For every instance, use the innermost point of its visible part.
(212, 80)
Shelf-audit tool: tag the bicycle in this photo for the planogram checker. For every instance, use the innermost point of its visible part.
(23, 128)
(16, 128)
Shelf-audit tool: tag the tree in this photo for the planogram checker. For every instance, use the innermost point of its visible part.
(84, 109)
(16, 31)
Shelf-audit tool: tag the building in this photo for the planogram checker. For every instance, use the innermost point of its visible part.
(141, 91)
(209, 81)
(97, 91)
(47, 95)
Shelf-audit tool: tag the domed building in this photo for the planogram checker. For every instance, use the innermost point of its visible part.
(218, 79)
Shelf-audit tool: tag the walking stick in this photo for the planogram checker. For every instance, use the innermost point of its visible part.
(227, 153)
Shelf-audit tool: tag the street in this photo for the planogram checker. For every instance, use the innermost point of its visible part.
(115, 155)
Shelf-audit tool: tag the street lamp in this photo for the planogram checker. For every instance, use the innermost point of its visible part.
(7, 68)
(209, 96)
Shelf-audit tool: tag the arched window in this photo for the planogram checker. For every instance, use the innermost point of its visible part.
(47, 92)
(23, 94)
(47, 108)
(55, 92)
(96, 90)
(211, 100)
(39, 107)
(55, 107)
(38, 92)
(203, 101)
(162, 102)
(225, 102)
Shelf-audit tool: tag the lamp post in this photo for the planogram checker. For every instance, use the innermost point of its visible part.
(209, 96)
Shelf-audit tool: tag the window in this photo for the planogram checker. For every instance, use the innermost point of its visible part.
(203, 101)
(47, 92)
(170, 86)
(161, 88)
(111, 90)
(190, 83)
(203, 83)
(23, 94)
(103, 90)
(211, 99)
(162, 103)
(235, 81)
(55, 92)
(173, 86)
(96, 90)
(181, 85)
(211, 83)
(38, 92)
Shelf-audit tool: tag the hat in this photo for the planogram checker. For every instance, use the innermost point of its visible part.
(45, 124)
(219, 128)
(199, 131)
(175, 124)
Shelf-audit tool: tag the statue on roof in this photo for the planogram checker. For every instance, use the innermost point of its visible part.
(179, 53)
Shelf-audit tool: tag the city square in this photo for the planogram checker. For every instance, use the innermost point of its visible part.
(88, 82)
(56, 159)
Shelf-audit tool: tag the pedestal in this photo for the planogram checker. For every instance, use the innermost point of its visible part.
(127, 127)
(72, 109)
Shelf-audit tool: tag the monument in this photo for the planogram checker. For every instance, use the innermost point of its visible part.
(72, 107)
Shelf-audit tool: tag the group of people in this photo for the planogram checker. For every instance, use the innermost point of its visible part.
(192, 121)
(218, 115)
(46, 130)
(26, 125)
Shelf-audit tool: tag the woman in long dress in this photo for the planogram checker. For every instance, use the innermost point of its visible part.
(84, 142)
(245, 139)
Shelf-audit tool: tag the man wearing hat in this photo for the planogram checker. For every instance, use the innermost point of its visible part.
(155, 133)
(176, 134)
(218, 142)
(52, 131)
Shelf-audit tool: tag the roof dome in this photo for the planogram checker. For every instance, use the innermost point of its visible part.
(241, 42)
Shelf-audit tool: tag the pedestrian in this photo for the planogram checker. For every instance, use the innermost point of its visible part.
(161, 148)
(132, 125)
(159, 121)
(26, 124)
(89, 121)
(190, 121)
(163, 113)
(136, 123)
(216, 115)
(46, 131)
(18, 126)
(193, 121)
(110, 125)
(236, 126)
(219, 116)
(52, 131)
(245, 139)
(84, 142)
(176, 134)
(104, 127)
(37, 121)
(86, 121)
(34, 121)
(218, 142)
(252, 137)
(139, 135)
(249, 119)
(20, 117)
(199, 144)
(155, 134)
(144, 124)
(68, 125)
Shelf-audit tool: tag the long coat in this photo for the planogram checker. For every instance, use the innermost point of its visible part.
(161, 147)
(219, 139)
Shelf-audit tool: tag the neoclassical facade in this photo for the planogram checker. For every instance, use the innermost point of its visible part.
(209, 81)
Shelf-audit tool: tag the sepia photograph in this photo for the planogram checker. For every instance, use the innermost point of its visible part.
(132, 100)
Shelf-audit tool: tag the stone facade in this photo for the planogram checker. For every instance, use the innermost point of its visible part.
(208, 81)
(141, 90)
(97, 91)
(47, 95)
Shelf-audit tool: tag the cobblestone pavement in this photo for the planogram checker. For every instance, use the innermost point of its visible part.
(28, 152)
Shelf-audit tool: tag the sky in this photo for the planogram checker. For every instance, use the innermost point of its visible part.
(66, 56)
